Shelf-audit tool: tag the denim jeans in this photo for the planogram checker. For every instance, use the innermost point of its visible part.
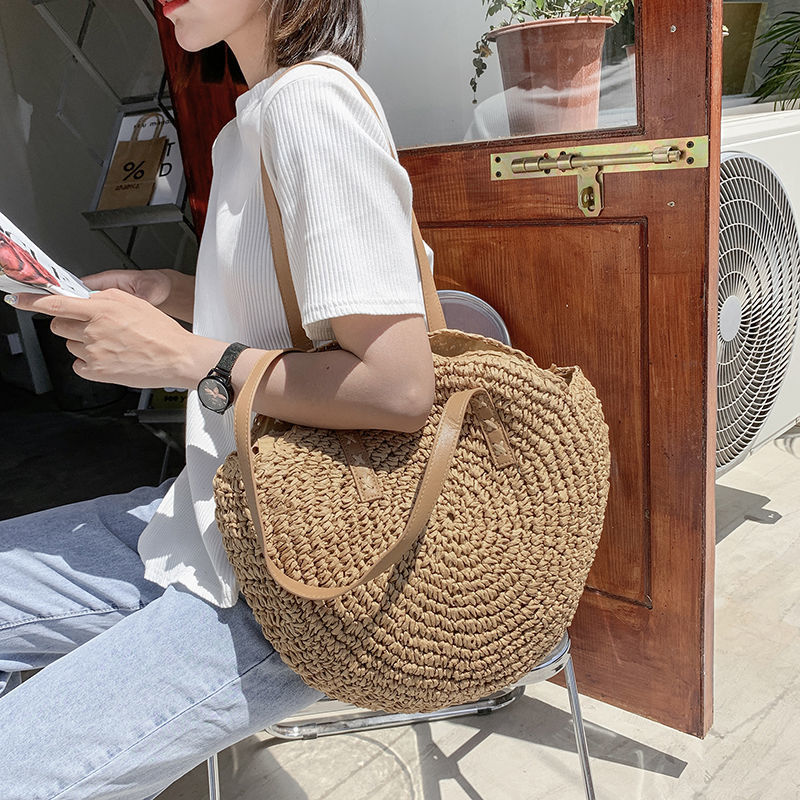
(140, 684)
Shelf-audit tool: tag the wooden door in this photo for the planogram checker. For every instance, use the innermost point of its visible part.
(631, 297)
(628, 295)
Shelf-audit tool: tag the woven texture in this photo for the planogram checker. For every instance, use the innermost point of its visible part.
(492, 582)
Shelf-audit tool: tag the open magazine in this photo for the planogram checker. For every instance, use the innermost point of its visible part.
(25, 268)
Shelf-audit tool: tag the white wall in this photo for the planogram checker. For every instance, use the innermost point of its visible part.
(419, 61)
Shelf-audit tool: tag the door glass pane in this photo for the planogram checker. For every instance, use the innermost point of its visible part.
(544, 76)
(760, 59)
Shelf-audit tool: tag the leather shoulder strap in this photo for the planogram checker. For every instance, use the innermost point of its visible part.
(436, 471)
(433, 308)
(280, 256)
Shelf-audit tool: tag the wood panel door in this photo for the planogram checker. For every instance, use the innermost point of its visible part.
(631, 297)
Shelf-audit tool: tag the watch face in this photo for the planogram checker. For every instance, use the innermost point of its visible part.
(213, 394)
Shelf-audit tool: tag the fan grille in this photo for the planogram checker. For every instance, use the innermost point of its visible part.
(759, 269)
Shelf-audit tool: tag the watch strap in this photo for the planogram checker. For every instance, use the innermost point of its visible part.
(228, 359)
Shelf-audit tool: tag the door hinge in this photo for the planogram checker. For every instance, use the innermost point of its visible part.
(591, 162)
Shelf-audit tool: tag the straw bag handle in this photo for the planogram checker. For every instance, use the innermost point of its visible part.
(447, 434)
(280, 254)
(436, 471)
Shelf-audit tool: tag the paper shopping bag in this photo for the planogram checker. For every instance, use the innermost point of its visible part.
(132, 175)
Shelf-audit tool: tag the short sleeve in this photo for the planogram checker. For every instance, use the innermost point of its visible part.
(345, 202)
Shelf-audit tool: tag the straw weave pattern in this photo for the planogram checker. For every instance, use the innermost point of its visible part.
(495, 577)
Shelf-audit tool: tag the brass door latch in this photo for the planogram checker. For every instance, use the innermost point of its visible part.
(591, 162)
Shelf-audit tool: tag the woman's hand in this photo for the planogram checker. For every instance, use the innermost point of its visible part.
(167, 289)
(119, 338)
(152, 285)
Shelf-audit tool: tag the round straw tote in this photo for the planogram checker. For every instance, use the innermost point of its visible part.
(410, 572)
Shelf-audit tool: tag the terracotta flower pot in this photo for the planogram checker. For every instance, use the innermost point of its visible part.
(551, 73)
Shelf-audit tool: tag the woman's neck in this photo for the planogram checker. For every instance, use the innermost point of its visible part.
(255, 58)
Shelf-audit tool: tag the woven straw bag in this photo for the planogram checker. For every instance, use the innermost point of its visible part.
(409, 572)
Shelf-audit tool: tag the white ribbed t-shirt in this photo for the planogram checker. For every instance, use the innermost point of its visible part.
(346, 207)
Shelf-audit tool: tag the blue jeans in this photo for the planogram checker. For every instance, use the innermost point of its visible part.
(140, 684)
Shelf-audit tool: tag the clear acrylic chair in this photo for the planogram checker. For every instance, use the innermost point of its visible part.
(465, 312)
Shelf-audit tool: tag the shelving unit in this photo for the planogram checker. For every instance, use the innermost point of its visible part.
(104, 221)
(82, 27)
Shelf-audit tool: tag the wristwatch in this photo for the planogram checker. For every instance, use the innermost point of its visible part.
(215, 391)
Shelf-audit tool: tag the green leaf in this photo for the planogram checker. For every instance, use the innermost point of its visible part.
(782, 79)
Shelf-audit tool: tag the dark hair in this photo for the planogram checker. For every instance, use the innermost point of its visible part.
(300, 29)
(218, 61)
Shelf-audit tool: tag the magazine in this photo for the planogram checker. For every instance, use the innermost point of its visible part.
(25, 268)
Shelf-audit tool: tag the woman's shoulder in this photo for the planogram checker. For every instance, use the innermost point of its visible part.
(325, 68)
(320, 100)
(314, 86)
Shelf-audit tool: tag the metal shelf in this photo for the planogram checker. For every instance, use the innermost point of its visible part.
(105, 220)
(141, 215)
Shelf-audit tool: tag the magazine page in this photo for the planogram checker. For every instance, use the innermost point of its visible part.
(25, 268)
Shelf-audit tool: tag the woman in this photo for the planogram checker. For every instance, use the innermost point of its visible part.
(153, 661)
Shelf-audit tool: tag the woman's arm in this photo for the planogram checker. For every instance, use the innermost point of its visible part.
(382, 378)
(166, 289)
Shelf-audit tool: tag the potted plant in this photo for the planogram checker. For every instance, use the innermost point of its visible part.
(550, 52)
(782, 80)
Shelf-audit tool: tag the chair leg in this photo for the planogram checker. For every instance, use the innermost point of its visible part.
(580, 732)
(213, 778)
(357, 719)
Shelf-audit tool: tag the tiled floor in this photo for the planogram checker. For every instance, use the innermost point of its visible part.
(527, 751)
